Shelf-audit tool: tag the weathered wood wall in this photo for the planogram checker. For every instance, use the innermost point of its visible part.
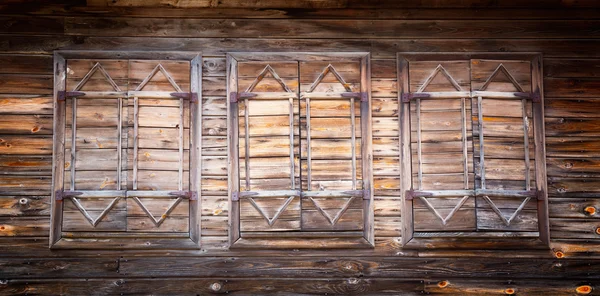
(566, 32)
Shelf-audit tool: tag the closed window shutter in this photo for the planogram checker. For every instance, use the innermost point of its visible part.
(470, 149)
(130, 129)
(299, 150)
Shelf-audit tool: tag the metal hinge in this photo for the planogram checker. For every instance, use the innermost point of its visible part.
(191, 195)
(407, 97)
(234, 97)
(61, 194)
(62, 95)
(536, 97)
(192, 96)
(364, 96)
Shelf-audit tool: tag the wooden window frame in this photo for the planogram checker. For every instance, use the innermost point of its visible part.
(412, 239)
(99, 240)
(299, 240)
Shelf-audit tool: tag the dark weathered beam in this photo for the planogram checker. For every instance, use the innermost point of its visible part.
(330, 29)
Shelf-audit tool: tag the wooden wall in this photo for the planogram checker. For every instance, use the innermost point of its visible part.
(566, 32)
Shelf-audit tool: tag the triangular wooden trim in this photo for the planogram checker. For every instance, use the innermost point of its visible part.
(160, 68)
(505, 71)
(163, 217)
(273, 219)
(337, 75)
(437, 70)
(337, 217)
(89, 74)
(261, 76)
(87, 215)
(451, 214)
(497, 210)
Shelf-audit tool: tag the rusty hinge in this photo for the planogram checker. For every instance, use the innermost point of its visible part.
(192, 96)
(407, 97)
(62, 95)
(61, 194)
(235, 196)
(411, 194)
(536, 97)
(539, 194)
(191, 195)
(234, 97)
(364, 96)
(366, 194)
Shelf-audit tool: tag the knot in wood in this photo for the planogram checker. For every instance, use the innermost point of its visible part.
(216, 286)
(442, 284)
(584, 290)
(352, 281)
(23, 201)
(509, 291)
(589, 210)
(559, 254)
(598, 230)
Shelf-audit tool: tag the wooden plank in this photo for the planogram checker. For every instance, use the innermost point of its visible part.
(405, 154)
(58, 154)
(232, 151)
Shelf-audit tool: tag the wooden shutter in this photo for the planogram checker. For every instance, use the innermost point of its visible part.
(131, 139)
(297, 145)
(469, 148)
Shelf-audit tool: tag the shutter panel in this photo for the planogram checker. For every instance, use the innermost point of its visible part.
(508, 158)
(468, 157)
(129, 174)
(268, 149)
(332, 180)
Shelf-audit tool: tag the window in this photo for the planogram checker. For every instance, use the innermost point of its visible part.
(472, 155)
(300, 150)
(126, 144)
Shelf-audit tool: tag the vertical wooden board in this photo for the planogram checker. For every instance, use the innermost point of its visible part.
(483, 69)
(77, 70)
(175, 73)
(428, 76)
(273, 215)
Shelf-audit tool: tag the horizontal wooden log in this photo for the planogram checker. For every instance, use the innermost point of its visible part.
(24, 226)
(571, 107)
(572, 127)
(239, 28)
(458, 10)
(571, 87)
(378, 48)
(24, 84)
(25, 206)
(207, 286)
(26, 105)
